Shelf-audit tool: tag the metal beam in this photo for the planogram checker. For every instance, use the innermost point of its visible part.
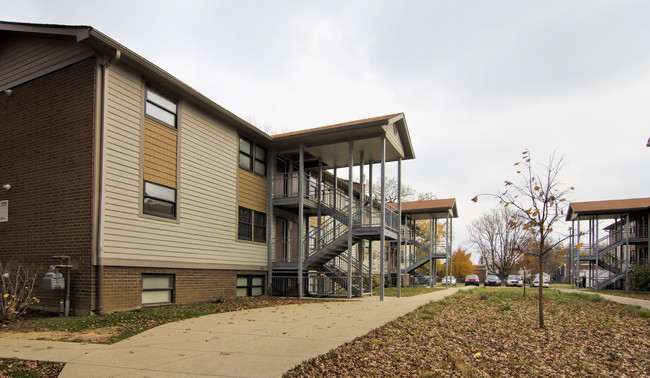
(382, 233)
(350, 213)
(271, 221)
(399, 231)
(301, 218)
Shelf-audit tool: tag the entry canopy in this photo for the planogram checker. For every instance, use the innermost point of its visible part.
(610, 209)
(331, 143)
(428, 209)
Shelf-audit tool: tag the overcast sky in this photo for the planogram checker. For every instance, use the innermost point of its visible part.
(478, 81)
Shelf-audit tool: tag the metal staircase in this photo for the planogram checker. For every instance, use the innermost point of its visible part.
(606, 258)
(325, 264)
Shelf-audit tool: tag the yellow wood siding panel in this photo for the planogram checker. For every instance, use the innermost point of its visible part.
(252, 191)
(206, 232)
(160, 153)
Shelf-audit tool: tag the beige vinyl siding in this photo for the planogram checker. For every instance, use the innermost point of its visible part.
(24, 58)
(206, 231)
(393, 138)
(252, 191)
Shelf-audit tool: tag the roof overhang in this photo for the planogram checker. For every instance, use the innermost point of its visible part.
(428, 209)
(331, 143)
(609, 209)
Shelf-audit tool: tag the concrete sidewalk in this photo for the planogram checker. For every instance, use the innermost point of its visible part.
(252, 343)
(624, 300)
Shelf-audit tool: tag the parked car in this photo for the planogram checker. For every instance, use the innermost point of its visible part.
(472, 279)
(449, 280)
(546, 283)
(514, 280)
(492, 280)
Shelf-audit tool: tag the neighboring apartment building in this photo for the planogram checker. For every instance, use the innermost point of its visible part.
(614, 237)
(159, 195)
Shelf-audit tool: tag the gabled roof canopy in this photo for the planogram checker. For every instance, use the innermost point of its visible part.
(330, 143)
(607, 209)
(428, 209)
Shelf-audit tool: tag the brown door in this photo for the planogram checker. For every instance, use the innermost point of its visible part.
(293, 239)
(280, 240)
(280, 180)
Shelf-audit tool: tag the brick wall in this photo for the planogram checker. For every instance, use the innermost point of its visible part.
(46, 154)
(123, 285)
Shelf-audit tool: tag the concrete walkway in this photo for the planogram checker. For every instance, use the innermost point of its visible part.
(624, 300)
(253, 343)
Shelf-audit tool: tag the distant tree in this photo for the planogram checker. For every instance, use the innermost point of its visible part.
(539, 199)
(461, 263)
(499, 244)
(390, 191)
(264, 126)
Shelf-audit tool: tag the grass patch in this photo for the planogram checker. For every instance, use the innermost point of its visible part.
(128, 323)
(405, 291)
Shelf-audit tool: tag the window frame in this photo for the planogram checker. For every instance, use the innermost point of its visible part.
(160, 106)
(253, 156)
(249, 285)
(171, 289)
(145, 196)
(251, 226)
(257, 227)
(248, 224)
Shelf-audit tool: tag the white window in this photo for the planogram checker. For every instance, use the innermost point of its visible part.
(161, 108)
(157, 289)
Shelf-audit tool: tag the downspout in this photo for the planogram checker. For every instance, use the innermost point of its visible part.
(99, 232)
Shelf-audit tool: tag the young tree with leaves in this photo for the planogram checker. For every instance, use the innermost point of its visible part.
(539, 199)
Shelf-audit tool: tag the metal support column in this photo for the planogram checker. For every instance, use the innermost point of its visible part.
(301, 218)
(572, 255)
(382, 232)
(447, 251)
(350, 213)
(431, 252)
(361, 244)
(399, 229)
(319, 213)
(451, 243)
(271, 221)
(597, 253)
(370, 199)
(627, 250)
(578, 256)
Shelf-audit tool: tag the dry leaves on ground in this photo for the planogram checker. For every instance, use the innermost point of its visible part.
(495, 333)
(22, 368)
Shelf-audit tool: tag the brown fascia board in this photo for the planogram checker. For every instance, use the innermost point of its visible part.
(108, 47)
(607, 207)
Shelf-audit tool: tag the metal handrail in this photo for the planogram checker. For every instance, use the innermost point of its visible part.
(288, 243)
(286, 185)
